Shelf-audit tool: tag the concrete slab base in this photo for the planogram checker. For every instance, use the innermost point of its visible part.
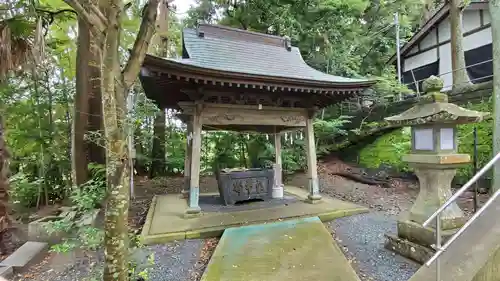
(300, 249)
(26, 255)
(6, 272)
(408, 249)
(166, 221)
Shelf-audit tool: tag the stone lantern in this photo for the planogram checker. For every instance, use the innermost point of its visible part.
(434, 157)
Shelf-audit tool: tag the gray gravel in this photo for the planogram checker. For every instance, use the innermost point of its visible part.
(173, 262)
(362, 239)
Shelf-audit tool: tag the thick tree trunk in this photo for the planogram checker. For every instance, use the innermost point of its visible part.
(114, 109)
(106, 20)
(158, 164)
(4, 179)
(139, 165)
(160, 40)
(80, 117)
(95, 147)
(494, 6)
(460, 76)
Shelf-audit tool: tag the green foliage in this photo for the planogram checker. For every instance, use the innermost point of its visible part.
(388, 86)
(92, 193)
(77, 220)
(387, 149)
(23, 191)
(484, 139)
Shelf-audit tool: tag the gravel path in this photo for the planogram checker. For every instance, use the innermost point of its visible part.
(362, 239)
(174, 261)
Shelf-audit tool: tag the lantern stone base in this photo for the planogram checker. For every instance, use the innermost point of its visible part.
(435, 175)
(414, 241)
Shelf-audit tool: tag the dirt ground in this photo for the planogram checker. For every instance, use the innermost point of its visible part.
(73, 266)
(398, 197)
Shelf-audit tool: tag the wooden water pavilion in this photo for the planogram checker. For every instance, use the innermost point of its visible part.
(237, 80)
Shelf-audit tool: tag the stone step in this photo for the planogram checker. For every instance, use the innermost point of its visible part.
(28, 254)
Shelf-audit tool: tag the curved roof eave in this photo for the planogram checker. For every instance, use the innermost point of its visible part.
(158, 62)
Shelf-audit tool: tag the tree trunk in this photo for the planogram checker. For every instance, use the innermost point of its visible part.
(158, 164)
(140, 167)
(494, 7)
(79, 159)
(114, 109)
(460, 76)
(95, 146)
(116, 83)
(4, 179)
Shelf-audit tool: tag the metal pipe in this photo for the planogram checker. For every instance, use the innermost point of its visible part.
(463, 189)
(461, 230)
(475, 169)
(398, 46)
(438, 246)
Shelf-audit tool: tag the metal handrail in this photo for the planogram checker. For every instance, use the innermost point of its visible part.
(461, 230)
(437, 215)
(463, 189)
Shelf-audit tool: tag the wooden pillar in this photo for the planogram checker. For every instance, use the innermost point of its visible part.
(194, 188)
(312, 170)
(278, 162)
(278, 167)
(187, 159)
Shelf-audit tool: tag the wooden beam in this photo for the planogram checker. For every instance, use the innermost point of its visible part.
(230, 114)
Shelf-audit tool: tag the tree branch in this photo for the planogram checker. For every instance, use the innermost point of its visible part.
(95, 20)
(141, 43)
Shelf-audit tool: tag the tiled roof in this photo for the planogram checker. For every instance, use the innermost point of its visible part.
(232, 50)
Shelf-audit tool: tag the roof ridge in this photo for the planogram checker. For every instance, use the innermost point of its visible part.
(240, 30)
(235, 34)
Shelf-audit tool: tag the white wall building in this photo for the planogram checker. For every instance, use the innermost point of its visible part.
(428, 52)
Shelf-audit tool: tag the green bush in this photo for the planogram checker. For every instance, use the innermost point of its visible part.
(23, 191)
(387, 149)
(484, 139)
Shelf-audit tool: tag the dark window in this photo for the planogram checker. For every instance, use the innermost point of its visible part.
(419, 75)
(482, 66)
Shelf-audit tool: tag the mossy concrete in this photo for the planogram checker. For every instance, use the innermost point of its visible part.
(300, 249)
(166, 221)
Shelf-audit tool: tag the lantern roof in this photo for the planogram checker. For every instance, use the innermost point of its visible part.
(434, 108)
